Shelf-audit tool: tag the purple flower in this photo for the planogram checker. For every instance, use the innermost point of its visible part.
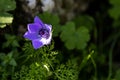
(39, 33)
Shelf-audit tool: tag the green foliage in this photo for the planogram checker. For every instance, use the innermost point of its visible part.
(33, 72)
(37, 63)
(7, 59)
(41, 65)
(74, 38)
(53, 20)
(42, 53)
(68, 71)
(11, 41)
(7, 65)
(77, 60)
(114, 12)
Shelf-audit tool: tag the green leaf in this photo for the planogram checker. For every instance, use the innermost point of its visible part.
(7, 5)
(67, 31)
(13, 62)
(83, 37)
(74, 38)
(15, 43)
(11, 41)
(10, 55)
(114, 11)
(70, 43)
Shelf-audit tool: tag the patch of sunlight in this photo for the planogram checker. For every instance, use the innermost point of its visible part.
(2, 25)
(5, 20)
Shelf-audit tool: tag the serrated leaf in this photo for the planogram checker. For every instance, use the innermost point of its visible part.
(67, 31)
(83, 37)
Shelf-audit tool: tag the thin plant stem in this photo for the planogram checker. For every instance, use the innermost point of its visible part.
(94, 64)
(110, 59)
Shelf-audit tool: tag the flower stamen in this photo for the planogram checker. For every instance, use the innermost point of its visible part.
(44, 33)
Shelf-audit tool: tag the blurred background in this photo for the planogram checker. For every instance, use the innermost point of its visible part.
(84, 31)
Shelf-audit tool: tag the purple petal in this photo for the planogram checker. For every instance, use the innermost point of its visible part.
(37, 43)
(31, 36)
(34, 28)
(37, 20)
(49, 27)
